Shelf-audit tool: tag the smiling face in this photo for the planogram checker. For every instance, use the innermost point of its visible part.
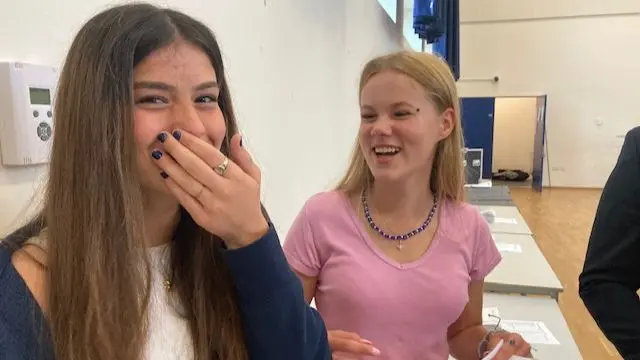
(400, 127)
(174, 87)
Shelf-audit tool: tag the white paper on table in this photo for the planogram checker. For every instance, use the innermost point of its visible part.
(504, 247)
(534, 332)
(511, 221)
(490, 316)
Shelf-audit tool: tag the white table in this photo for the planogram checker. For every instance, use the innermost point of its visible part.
(482, 183)
(507, 220)
(546, 310)
(525, 272)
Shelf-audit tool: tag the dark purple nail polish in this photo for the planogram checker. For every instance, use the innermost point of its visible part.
(164, 175)
(157, 154)
(162, 137)
(176, 134)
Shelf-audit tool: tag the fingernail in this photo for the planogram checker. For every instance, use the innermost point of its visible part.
(157, 154)
(365, 341)
(240, 141)
(177, 134)
(162, 137)
(375, 352)
(164, 175)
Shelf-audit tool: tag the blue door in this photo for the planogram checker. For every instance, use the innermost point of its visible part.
(539, 145)
(477, 128)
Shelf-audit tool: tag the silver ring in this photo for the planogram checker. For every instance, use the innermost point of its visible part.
(222, 168)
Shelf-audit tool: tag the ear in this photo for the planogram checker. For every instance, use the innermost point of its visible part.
(447, 123)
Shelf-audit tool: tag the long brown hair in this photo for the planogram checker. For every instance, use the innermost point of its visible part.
(93, 203)
(436, 79)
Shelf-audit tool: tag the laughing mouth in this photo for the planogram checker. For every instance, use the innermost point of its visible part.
(386, 150)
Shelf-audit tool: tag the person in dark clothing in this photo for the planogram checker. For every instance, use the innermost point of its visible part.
(152, 242)
(611, 275)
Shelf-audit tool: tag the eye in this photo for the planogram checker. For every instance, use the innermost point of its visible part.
(401, 114)
(154, 100)
(206, 99)
(367, 117)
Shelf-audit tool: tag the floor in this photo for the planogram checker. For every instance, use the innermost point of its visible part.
(561, 221)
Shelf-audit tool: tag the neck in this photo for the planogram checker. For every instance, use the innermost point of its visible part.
(405, 199)
(161, 214)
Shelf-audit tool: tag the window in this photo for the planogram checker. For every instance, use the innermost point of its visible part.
(412, 38)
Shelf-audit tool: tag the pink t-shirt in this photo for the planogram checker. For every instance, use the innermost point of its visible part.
(404, 309)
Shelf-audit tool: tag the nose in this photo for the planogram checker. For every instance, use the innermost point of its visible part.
(187, 118)
(381, 127)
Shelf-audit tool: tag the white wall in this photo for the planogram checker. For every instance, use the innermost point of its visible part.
(292, 64)
(582, 54)
(514, 126)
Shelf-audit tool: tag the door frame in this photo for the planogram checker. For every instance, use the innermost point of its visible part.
(540, 137)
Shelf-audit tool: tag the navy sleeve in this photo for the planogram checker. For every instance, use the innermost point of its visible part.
(611, 275)
(279, 324)
(21, 320)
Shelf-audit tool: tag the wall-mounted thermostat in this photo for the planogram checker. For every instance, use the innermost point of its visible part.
(26, 112)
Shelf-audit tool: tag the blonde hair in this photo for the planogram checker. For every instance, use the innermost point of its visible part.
(434, 75)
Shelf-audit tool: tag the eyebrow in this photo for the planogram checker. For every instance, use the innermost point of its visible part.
(156, 85)
(400, 103)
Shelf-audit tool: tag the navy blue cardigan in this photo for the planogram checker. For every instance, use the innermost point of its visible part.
(278, 323)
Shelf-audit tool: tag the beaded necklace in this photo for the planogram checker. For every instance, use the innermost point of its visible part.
(399, 239)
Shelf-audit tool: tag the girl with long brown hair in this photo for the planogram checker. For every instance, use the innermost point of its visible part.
(152, 242)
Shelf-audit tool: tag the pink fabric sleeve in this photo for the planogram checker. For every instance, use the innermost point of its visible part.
(300, 247)
(486, 255)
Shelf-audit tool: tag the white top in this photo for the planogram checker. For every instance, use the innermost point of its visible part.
(169, 336)
(168, 333)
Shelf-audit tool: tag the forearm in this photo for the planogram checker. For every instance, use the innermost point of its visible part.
(464, 345)
(279, 324)
(616, 310)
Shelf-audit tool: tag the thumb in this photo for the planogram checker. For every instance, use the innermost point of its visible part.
(242, 158)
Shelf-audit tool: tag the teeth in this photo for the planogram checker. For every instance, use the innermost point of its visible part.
(386, 150)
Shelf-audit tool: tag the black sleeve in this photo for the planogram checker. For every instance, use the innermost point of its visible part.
(611, 275)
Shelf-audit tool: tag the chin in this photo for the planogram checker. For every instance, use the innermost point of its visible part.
(387, 176)
(155, 189)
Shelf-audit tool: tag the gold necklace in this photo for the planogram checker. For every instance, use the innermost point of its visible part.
(159, 261)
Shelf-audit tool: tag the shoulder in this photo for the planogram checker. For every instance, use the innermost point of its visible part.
(29, 264)
(634, 134)
(322, 221)
(631, 146)
(463, 214)
(325, 204)
(18, 309)
(464, 224)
